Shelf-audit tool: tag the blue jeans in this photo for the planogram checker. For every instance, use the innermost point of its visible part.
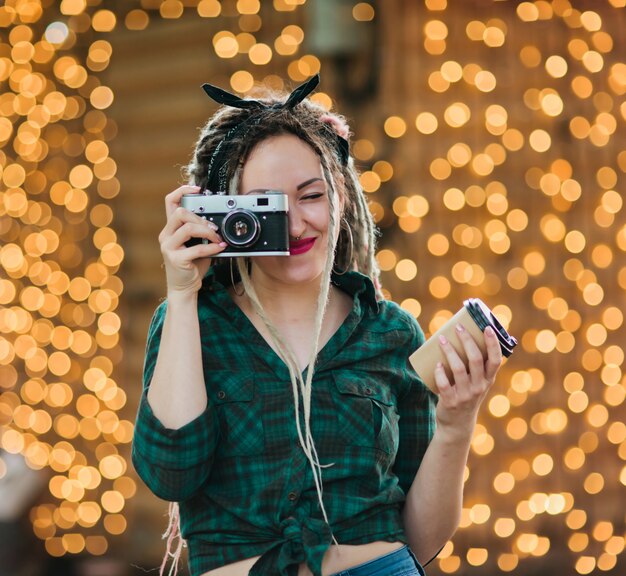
(401, 562)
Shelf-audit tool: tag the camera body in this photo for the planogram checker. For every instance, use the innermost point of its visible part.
(251, 224)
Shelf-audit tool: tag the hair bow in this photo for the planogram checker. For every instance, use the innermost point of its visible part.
(219, 160)
(299, 94)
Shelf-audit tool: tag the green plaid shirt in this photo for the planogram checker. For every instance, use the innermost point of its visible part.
(244, 485)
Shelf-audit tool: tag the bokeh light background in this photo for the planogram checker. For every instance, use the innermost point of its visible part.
(490, 136)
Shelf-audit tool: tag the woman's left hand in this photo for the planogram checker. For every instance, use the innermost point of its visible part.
(460, 399)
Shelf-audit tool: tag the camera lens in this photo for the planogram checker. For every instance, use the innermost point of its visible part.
(240, 228)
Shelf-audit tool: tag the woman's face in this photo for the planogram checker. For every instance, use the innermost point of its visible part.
(288, 164)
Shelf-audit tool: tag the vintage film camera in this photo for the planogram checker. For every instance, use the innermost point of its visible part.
(251, 225)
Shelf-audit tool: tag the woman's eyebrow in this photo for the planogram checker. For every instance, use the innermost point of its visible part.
(298, 187)
(306, 183)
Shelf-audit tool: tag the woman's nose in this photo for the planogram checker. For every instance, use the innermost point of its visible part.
(296, 224)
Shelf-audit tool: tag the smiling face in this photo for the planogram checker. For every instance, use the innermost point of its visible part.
(288, 164)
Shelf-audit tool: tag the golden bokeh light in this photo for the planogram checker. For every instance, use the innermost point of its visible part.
(363, 12)
(395, 127)
(60, 297)
(577, 96)
(426, 122)
(509, 187)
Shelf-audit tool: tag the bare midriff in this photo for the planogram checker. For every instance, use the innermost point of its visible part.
(336, 559)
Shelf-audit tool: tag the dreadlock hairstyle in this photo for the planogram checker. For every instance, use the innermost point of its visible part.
(224, 145)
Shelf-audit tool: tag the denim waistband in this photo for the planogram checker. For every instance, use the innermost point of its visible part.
(401, 562)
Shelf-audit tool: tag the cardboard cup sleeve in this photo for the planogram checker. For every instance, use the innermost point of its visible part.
(474, 316)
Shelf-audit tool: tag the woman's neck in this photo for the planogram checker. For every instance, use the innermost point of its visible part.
(292, 310)
(287, 302)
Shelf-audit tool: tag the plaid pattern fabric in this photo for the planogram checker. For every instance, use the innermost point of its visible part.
(243, 482)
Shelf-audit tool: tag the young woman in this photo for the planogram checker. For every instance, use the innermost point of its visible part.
(279, 410)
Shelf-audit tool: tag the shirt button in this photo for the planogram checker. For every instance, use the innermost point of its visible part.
(368, 391)
(221, 394)
(292, 496)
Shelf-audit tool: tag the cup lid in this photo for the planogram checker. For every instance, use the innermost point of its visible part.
(483, 316)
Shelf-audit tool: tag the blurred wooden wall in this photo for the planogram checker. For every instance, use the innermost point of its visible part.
(156, 76)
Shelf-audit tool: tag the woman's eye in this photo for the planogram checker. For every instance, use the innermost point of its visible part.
(313, 196)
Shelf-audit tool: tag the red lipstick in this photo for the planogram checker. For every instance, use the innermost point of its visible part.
(301, 246)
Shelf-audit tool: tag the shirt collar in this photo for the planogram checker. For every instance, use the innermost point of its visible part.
(357, 285)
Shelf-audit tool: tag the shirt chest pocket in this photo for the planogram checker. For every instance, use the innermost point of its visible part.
(366, 414)
(239, 407)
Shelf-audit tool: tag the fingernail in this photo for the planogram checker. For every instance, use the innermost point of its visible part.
(222, 244)
(460, 328)
(489, 332)
(443, 339)
(440, 365)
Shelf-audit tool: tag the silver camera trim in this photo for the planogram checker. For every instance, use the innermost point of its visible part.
(221, 203)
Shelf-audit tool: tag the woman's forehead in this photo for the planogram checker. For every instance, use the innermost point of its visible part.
(281, 145)
(282, 157)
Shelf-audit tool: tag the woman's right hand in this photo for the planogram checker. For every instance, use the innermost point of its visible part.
(185, 267)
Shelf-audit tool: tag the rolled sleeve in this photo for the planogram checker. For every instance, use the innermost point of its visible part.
(174, 464)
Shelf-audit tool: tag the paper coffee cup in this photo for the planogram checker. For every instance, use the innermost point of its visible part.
(474, 316)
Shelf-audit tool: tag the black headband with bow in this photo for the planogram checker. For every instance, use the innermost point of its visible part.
(218, 165)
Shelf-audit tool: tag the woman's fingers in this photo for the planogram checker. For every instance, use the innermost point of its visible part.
(456, 364)
(185, 266)
(202, 230)
(176, 219)
(200, 251)
(447, 392)
(172, 200)
(494, 354)
(178, 255)
(462, 390)
(475, 359)
(474, 374)
(185, 258)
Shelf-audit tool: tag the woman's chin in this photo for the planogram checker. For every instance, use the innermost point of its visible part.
(291, 270)
(300, 274)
